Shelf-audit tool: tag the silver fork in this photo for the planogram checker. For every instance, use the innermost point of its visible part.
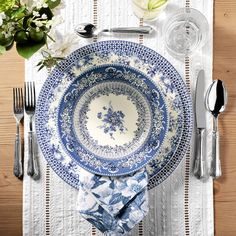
(30, 102)
(18, 110)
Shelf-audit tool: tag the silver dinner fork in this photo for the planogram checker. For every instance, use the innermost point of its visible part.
(30, 102)
(18, 110)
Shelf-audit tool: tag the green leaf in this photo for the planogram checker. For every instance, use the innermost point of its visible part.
(27, 50)
(19, 13)
(2, 50)
(6, 4)
(53, 4)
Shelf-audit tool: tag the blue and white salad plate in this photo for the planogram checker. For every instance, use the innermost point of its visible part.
(112, 120)
(101, 108)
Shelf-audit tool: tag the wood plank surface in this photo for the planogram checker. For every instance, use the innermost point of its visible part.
(12, 74)
(225, 69)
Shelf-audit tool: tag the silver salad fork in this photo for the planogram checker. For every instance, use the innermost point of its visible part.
(18, 110)
(30, 103)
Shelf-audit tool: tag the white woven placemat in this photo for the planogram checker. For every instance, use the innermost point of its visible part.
(182, 205)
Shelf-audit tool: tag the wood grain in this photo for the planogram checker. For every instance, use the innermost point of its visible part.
(225, 69)
(12, 74)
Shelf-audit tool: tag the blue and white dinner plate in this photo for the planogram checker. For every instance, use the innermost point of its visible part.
(63, 113)
(112, 120)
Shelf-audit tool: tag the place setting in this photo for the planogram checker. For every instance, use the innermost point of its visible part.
(120, 119)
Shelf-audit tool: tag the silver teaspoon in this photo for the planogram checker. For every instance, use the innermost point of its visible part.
(88, 30)
(216, 100)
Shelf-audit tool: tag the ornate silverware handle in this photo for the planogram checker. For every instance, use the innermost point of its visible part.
(33, 167)
(132, 30)
(36, 175)
(17, 170)
(215, 171)
(200, 163)
(30, 168)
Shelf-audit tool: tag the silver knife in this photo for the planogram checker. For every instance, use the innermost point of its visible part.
(200, 159)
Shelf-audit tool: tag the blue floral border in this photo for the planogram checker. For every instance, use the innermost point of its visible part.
(139, 157)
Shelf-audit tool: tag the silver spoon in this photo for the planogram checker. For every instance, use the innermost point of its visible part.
(88, 30)
(216, 100)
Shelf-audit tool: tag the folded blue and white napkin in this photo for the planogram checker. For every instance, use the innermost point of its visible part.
(114, 205)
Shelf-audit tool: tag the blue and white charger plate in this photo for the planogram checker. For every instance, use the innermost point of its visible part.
(142, 60)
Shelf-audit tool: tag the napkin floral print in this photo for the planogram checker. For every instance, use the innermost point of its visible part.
(114, 205)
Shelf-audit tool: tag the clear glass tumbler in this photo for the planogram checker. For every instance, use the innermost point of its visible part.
(185, 32)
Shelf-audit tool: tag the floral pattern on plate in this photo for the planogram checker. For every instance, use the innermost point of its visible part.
(113, 121)
(145, 116)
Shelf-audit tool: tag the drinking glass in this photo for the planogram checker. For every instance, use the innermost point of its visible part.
(185, 32)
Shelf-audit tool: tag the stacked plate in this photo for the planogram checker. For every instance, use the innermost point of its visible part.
(112, 108)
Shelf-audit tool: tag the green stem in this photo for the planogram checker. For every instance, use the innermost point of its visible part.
(50, 37)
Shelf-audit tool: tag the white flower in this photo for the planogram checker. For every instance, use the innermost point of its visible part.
(44, 16)
(2, 17)
(38, 23)
(6, 34)
(36, 13)
(31, 4)
(63, 45)
(39, 4)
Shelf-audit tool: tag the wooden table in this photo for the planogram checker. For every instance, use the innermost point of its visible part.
(12, 74)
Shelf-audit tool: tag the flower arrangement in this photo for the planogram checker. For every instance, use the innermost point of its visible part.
(28, 24)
